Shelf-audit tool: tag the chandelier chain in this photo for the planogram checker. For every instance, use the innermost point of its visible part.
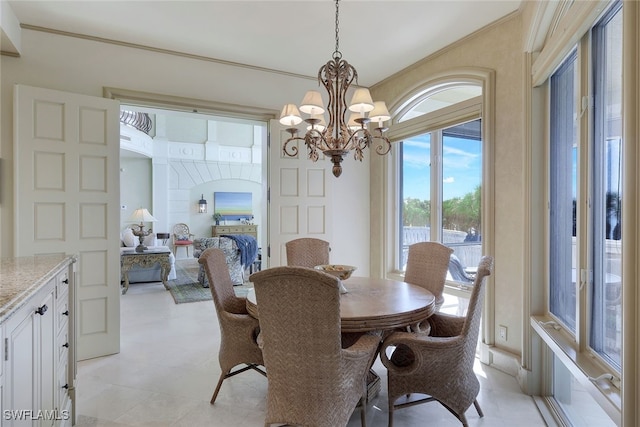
(337, 53)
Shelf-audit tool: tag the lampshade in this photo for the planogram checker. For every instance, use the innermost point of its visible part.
(312, 103)
(379, 113)
(141, 215)
(290, 116)
(361, 101)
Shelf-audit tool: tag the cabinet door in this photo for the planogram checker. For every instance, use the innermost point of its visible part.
(2, 347)
(20, 372)
(30, 384)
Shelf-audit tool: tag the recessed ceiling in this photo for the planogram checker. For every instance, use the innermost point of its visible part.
(379, 38)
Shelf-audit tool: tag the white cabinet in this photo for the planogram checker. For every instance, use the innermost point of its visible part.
(2, 347)
(36, 374)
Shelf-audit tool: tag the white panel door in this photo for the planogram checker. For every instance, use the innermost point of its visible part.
(300, 196)
(67, 198)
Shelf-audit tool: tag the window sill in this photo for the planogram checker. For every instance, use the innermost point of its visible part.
(583, 366)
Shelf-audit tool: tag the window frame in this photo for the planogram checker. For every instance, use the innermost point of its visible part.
(485, 78)
(436, 122)
(586, 170)
(597, 376)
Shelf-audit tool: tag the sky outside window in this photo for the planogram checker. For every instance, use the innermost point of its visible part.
(462, 166)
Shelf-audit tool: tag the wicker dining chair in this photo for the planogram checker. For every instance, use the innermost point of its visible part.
(440, 365)
(312, 380)
(307, 252)
(238, 330)
(427, 266)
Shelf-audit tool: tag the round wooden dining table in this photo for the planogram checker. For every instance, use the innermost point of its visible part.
(372, 304)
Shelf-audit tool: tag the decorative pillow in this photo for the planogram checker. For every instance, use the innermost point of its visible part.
(150, 240)
(129, 239)
(183, 237)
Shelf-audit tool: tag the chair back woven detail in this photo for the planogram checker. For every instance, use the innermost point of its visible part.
(427, 265)
(440, 365)
(307, 252)
(312, 380)
(238, 330)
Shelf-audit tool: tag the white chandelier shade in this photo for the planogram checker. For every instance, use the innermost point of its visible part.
(312, 103)
(290, 116)
(361, 101)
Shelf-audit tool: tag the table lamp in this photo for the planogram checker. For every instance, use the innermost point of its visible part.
(141, 215)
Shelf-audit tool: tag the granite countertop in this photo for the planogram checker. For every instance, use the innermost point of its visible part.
(21, 277)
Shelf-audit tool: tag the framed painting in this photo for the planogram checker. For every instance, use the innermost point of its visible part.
(233, 206)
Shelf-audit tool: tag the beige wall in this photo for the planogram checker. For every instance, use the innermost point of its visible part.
(497, 48)
(84, 66)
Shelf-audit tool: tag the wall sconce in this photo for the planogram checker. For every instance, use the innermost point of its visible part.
(202, 205)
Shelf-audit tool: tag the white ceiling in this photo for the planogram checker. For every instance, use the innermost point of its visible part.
(379, 38)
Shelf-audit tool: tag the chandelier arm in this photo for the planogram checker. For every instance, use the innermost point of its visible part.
(292, 150)
(362, 138)
(358, 138)
(316, 138)
(384, 145)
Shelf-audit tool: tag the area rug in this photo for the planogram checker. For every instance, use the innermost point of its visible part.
(186, 288)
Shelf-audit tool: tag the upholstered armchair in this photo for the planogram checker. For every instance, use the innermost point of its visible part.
(231, 253)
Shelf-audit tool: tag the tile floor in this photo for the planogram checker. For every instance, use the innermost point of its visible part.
(167, 369)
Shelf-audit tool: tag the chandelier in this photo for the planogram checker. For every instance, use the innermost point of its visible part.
(340, 136)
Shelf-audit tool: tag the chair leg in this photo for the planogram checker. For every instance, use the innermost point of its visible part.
(230, 374)
(477, 405)
(215, 393)
(363, 415)
(461, 417)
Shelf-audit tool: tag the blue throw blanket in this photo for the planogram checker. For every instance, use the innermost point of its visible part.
(248, 246)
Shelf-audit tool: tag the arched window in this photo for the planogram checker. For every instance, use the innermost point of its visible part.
(438, 97)
(439, 172)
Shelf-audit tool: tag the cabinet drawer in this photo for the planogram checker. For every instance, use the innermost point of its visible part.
(62, 312)
(218, 230)
(235, 230)
(62, 345)
(62, 284)
(62, 398)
